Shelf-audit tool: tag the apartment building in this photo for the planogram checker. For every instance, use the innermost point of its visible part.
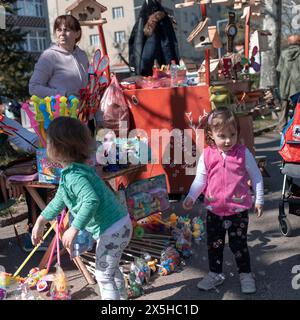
(32, 17)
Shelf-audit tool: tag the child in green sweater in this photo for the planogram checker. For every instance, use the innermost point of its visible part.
(93, 205)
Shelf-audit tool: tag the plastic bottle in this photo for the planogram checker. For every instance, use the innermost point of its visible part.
(173, 73)
(155, 69)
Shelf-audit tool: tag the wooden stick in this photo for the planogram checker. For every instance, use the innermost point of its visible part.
(157, 241)
(146, 245)
(91, 263)
(91, 270)
(140, 252)
(153, 235)
(89, 254)
(149, 250)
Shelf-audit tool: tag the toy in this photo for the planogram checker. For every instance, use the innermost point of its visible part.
(91, 95)
(183, 245)
(142, 270)
(3, 284)
(34, 124)
(173, 220)
(171, 253)
(35, 279)
(135, 287)
(59, 289)
(198, 229)
(138, 231)
(166, 267)
(151, 263)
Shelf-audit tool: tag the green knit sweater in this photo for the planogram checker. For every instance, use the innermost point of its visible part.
(93, 205)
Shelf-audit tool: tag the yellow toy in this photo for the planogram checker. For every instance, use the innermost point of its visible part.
(60, 289)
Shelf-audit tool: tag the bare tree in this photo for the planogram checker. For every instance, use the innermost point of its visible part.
(269, 59)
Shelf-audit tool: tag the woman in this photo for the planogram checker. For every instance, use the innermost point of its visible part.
(152, 37)
(62, 69)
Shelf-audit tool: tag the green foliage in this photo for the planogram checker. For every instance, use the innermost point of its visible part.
(16, 65)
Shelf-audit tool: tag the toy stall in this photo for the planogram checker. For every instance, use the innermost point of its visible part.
(158, 246)
(158, 103)
(169, 99)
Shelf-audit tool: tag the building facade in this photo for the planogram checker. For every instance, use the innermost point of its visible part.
(32, 17)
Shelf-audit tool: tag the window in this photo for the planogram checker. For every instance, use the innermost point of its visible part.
(120, 37)
(118, 12)
(95, 40)
(32, 8)
(35, 41)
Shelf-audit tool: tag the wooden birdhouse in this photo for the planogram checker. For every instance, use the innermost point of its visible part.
(257, 9)
(199, 36)
(257, 13)
(238, 4)
(214, 37)
(88, 12)
(214, 65)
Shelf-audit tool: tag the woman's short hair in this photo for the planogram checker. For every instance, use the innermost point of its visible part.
(68, 21)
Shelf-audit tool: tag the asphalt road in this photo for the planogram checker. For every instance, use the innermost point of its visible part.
(272, 255)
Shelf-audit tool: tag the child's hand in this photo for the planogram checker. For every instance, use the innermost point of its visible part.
(259, 210)
(69, 236)
(38, 230)
(188, 203)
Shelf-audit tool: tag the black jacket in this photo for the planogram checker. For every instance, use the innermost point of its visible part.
(152, 37)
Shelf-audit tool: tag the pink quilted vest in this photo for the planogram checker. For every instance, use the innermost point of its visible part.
(227, 191)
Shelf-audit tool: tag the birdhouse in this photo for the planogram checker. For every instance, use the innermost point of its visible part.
(257, 9)
(199, 36)
(88, 12)
(214, 65)
(257, 13)
(259, 38)
(238, 4)
(214, 37)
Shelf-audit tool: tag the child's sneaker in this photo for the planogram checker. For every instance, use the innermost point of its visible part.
(247, 283)
(211, 281)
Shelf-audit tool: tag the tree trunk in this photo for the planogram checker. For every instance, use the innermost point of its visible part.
(269, 59)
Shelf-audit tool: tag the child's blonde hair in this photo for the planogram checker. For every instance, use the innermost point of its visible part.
(69, 140)
(218, 119)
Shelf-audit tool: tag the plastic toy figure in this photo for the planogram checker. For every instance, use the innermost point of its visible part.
(59, 289)
(136, 289)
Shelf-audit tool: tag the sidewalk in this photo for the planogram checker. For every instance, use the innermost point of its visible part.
(273, 256)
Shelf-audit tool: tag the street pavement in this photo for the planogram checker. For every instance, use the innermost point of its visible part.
(272, 255)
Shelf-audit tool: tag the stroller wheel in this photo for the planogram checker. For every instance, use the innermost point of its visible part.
(285, 227)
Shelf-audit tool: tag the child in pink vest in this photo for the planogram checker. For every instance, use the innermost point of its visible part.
(223, 171)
